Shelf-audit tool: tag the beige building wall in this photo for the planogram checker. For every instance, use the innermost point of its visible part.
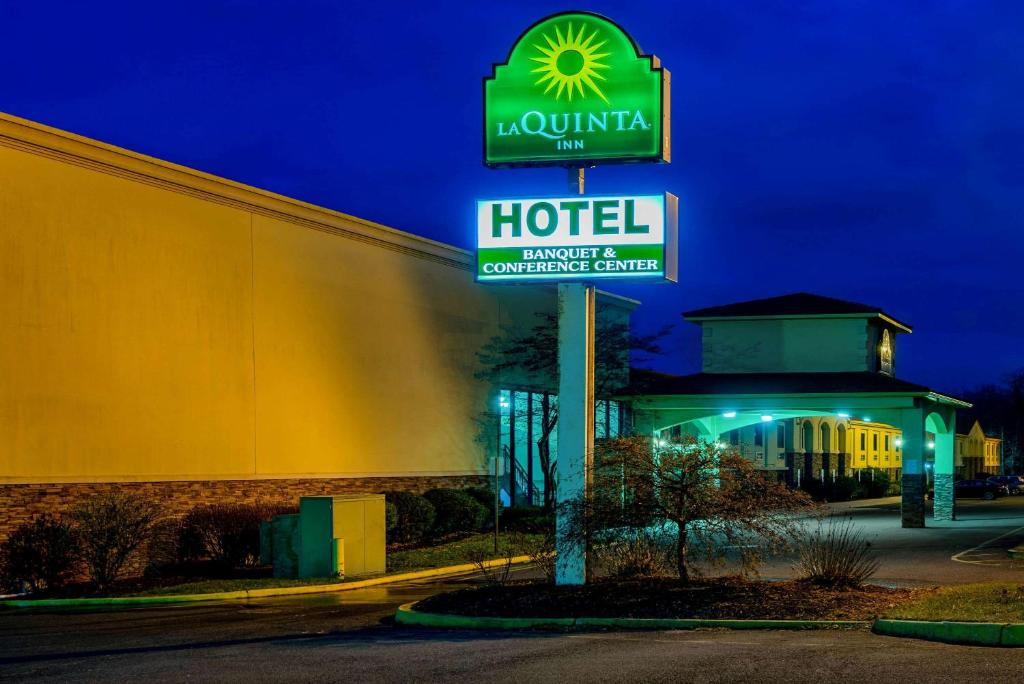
(163, 324)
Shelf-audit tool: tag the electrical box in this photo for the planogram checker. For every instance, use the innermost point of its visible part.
(342, 535)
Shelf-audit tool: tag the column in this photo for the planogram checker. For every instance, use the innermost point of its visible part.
(575, 425)
(945, 462)
(912, 425)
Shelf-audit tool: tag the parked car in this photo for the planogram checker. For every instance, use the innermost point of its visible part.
(1015, 483)
(979, 489)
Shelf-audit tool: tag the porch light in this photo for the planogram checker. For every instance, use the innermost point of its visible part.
(867, 419)
(898, 442)
(729, 414)
(843, 414)
(931, 445)
(765, 418)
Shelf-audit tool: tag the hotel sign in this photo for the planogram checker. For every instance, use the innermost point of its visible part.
(576, 91)
(577, 238)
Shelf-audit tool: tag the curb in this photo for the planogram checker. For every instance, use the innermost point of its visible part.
(407, 615)
(245, 594)
(970, 633)
(1016, 553)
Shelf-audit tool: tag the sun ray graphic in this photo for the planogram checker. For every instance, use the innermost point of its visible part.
(571, 63)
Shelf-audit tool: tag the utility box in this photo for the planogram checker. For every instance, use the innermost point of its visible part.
(282, 545)
(341, 535)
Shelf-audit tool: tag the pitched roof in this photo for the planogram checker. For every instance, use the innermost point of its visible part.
(775, 383)
(798, 304)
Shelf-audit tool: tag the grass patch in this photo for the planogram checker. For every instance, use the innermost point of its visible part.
(220, 585)
(455, 552)
(987, 602)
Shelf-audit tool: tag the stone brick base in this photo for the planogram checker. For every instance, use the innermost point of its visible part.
(912, 508)
(944, 500)
(20, 503)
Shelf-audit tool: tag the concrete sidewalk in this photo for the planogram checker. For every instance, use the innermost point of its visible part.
(863, 503)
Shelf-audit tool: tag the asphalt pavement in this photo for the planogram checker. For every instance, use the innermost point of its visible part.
(350, 635)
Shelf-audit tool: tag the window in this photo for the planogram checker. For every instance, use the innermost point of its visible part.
(780, 436)
(759, 435)
(874, 442)
(863, 443)
(887, 442)
(734, 437)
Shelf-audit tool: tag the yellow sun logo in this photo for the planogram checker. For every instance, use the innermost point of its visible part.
(570, 62)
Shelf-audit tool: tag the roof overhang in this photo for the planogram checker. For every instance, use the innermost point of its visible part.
(900, 327)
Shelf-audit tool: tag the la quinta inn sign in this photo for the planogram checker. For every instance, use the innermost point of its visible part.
(576, 90)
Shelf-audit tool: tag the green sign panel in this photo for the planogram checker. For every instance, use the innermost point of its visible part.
(576, 91)
(577, 238)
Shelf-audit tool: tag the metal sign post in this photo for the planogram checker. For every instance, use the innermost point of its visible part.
(575, 424)
(576, 302)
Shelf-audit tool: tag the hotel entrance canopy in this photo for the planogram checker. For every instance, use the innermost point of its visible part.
(806, 355)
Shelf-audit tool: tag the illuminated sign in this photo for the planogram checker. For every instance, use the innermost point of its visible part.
(577, 238)
(576, 91)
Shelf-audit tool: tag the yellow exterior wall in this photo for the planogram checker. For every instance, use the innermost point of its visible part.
(160, 323)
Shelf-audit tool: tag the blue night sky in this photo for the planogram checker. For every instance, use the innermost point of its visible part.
(865, 150)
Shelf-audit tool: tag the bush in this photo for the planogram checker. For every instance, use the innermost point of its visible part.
(843, 488)
(456, 511)
(163, 549)
(415, 517)
(39, 555)
(529, 519)
(485, 497)
(228, 534)
(390, 517)
(636, 552)
(874, 483)
(836, 554)
(814, 488)
(111, 529)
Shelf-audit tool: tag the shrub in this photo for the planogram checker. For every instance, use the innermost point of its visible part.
(456, 511)
(39, 555)
(814, 488)
(415, 517)
(111, 529)
(163, 548)
(485, 497)
(529, 519)
(874, 483)
(228, 534)
(636, 552)
(843, 488)
(835, 554)
(390, 517)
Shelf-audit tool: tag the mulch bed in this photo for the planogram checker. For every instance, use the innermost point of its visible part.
(667, 598)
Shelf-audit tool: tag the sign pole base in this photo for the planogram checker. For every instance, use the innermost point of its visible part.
(576, 304)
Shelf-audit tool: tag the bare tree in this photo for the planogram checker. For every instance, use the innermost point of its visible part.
(711, 499)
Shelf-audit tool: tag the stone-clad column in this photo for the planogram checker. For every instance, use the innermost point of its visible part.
(945, 504)
(912, 425)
